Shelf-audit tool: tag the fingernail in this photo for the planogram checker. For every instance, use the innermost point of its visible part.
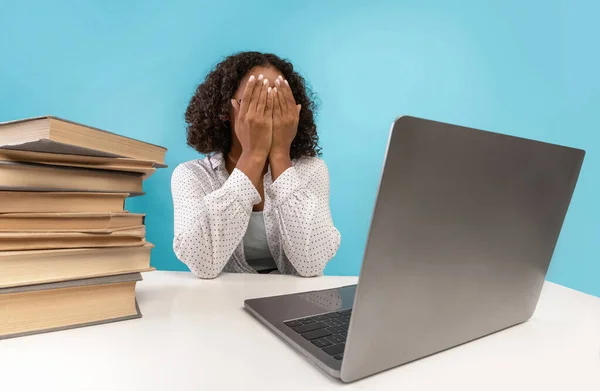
(260, 77)
(266, 82)
(286, 83)
(280, 77)
(251, 79)
(275, 89)
(269, 90)
(277, 81)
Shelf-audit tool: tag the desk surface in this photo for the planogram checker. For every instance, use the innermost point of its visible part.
(195, 335)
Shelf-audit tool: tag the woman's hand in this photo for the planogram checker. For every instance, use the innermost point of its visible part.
(285, 119)
(285, 126)
(254, 117)
(254, 127)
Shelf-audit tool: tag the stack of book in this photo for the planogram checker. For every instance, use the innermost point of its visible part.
(70, 254)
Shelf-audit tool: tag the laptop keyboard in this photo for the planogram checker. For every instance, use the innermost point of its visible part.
(327, 331)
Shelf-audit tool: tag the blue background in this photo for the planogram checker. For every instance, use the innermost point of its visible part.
(522, 68)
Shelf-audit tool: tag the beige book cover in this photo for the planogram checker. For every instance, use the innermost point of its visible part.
(145, 167)
(31, 267)
(57, 135)
(40, 177)
(61, 202)
(69, 222)
(12, 241)
(59, 306)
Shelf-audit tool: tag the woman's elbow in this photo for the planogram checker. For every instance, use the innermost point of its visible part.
(201, 268)
(309, 268)
(310, 274)
(315, 263)
(205, 274)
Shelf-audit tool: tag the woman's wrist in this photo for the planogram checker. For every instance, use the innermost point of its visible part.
(281, 153)
(279, 161)
(255, 156)
(252, 164)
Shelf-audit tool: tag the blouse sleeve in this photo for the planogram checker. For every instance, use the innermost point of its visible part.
(209, 225)
(301, 205)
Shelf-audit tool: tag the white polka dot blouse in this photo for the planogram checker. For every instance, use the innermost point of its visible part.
(212, 210)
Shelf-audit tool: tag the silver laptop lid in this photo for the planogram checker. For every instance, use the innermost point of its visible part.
(463, 231)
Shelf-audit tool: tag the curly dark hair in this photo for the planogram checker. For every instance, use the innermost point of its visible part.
(207, 115)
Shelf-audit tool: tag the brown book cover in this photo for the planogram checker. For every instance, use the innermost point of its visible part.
(57, 135)
(59, 306)
(40, 177)
(31, 267)
(14, 241)
(69, 222)
(145, 167)
(61, 202)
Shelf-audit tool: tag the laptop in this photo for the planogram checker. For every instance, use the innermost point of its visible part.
(461, 237)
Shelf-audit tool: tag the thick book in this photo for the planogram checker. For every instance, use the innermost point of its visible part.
(61, 202)
(69, 222)
(145, 167)
(15, 241)
(58, 306)
(40, 177)
(19, 268)
(57, 135)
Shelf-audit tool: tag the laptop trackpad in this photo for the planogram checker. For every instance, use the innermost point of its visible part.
(330, 300)
(276, 309)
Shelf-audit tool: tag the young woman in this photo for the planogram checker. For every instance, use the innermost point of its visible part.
(259, 201)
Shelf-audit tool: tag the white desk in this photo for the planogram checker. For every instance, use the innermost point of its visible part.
(195, 335)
